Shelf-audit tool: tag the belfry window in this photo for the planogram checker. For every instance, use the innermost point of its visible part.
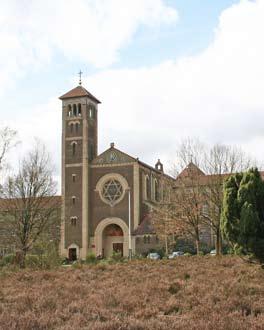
(91, 112)
(69, 111)
(79, 109)
(74, 110)
(76, 127)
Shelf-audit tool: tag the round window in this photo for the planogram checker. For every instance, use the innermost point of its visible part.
(112, 191)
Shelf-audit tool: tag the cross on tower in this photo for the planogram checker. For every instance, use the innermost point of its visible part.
(80, 79)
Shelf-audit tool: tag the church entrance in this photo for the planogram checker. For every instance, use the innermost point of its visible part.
(113, 239)
(118, 248)
(72, 254)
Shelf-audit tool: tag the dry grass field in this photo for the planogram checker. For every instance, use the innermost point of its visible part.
(186, 293)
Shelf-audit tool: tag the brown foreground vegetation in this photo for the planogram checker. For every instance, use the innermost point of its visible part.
(186, 293)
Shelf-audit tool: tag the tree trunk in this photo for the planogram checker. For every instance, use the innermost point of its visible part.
(218, 243)
(197, 246)
(22, 261)
(166, 244)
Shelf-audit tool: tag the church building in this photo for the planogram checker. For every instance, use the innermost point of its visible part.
(104, 196)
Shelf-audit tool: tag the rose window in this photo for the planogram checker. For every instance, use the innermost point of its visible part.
(112, 191)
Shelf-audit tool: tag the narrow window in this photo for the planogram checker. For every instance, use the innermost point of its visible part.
(71, 127)
(74, 221)
(148, 239)
(73, 177)
(147, 191)
(145, 239)
(74, 110)
(156, 191)
(74, 148)
(76, 127)
(91, 151)
(79, 109)
(73, 200)
(157, 239)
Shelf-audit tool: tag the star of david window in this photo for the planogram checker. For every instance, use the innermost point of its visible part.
(112, 191)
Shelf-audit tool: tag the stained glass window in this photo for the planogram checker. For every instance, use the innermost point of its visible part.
(112, 191)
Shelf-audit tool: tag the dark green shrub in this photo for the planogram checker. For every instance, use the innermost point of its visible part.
(91, 258)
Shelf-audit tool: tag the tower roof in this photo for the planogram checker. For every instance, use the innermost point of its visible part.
(78, 91)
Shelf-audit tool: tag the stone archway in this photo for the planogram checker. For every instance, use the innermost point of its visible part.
(101, 233)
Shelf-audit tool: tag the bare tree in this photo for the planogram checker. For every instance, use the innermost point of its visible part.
(188, 200)
(219, 163)
(201, 173)
(166, 223)
(29, 199)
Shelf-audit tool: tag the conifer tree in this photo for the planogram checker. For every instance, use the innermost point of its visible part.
(242, 221)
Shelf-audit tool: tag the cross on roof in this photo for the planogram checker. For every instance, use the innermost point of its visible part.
(80, 79)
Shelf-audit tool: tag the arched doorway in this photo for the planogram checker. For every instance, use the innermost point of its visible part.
(111, 234)
(113, 240)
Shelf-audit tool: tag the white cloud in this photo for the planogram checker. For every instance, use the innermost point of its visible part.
(216, 95)
(31, 32)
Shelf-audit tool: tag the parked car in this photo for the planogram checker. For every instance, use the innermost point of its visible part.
(213, 253)
(153, 256)
(175, 254)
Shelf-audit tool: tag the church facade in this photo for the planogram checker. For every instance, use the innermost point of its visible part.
(104, 196)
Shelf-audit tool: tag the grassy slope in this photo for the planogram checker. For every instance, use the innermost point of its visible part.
(186, 293)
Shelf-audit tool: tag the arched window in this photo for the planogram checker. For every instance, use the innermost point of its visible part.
(76, 127)
(148, 239)
(73, 200)
(147, 187)
(145, 239)
(69, 111)
(74, 221)
(73, 177)
(74, 110)
(71, 127)
(79, 109)
(156, 190)
(74, 145)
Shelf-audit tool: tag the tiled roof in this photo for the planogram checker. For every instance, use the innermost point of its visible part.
(79, 91)
(191, 169)
(145, 227)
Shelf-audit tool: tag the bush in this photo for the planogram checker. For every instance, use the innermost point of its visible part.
(7, 260)
(91, 258)
(116, 256)
(33, 261)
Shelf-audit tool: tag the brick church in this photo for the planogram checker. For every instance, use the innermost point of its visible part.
(104, 196)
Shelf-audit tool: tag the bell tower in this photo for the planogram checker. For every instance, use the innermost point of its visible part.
(79, 147)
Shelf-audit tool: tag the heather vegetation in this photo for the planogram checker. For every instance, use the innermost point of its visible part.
(186, 293)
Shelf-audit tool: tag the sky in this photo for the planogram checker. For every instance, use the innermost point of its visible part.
(164, 70)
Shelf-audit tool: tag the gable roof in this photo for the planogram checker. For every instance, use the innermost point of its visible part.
(78, 91)
(113, 156)
(145, 227)
(191, 169)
